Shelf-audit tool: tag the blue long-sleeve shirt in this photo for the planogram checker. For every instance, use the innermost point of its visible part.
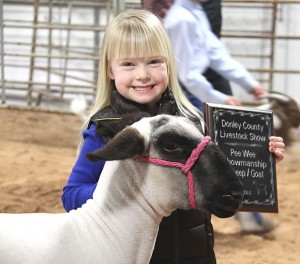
(85, 173)
(196, 48)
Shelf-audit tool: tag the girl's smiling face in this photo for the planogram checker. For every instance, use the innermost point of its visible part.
(142, 80)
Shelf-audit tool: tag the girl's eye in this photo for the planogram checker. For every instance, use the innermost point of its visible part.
(127, 64)
(155, 61)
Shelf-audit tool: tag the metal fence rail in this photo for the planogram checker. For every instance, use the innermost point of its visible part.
(49, 48)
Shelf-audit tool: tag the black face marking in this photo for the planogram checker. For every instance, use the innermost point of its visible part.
(174, 146)
(158, 123)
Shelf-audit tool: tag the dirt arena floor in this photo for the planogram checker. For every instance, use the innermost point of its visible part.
(38, 151)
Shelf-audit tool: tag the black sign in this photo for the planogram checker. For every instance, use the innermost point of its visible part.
(243, 136)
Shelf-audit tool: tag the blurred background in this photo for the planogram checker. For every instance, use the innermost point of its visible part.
(49, 48)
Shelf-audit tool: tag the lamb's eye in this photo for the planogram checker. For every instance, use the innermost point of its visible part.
(170, 146)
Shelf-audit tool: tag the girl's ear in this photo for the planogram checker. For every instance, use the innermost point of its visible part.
(110, 73)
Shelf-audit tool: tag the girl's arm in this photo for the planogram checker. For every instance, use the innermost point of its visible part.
(85, 173)
(277, 146)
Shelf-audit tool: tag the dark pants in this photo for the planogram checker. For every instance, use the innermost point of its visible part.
(218, 82)
(195, 101)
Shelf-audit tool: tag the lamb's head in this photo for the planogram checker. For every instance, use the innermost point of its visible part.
(168, 138)
(286, 114)
(285, 107)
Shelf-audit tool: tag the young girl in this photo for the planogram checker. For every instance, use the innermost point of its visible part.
(137, 74)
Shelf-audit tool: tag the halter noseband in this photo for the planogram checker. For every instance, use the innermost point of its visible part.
(185, 168)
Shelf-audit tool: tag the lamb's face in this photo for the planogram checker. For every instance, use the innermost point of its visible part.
(217, 188)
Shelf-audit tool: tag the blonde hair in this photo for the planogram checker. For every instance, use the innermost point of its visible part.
(136, 33)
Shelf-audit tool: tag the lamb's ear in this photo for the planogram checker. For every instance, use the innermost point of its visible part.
(110, 127)
(127, 144)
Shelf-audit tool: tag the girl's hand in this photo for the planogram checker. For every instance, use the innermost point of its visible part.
(277, 146)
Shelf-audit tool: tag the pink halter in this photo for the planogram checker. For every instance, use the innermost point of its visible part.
(186, 168)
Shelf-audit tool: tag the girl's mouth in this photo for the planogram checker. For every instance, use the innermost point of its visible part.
(143, 88)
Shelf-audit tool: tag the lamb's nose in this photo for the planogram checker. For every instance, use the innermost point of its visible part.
(239, 195)
(237, 190)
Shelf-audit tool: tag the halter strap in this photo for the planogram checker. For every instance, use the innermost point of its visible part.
(185, 168)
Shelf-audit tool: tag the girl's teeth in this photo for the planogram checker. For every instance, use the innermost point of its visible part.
(142, 88)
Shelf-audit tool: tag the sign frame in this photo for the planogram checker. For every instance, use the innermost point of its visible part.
(243, 133)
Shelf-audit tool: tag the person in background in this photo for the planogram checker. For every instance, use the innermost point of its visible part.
(195, 37)
(158, 7)
(196, 48)
(213, 10)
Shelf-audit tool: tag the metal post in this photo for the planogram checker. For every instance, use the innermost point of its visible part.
(2, 53)
(70, 6)
(272, 54)
(97, 40)
(33, 48)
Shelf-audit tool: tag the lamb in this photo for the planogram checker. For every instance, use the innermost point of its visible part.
(120, 224)
(286, 114)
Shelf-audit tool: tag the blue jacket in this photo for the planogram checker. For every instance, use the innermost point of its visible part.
(85, 173)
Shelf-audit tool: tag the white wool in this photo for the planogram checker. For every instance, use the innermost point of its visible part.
(120, 224)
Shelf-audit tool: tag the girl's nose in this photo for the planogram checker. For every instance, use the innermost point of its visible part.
(142, 73)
